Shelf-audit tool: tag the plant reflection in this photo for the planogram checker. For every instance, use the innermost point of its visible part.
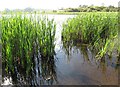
(84, 50)
(40, 71)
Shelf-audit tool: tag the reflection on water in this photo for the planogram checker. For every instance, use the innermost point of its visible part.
(41, 72)
(73, 64)
(83, 69)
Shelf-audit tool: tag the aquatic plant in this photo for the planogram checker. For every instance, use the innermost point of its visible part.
(98, 30)
(25, 37)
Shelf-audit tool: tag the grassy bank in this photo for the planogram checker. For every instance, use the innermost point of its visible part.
(98, 30)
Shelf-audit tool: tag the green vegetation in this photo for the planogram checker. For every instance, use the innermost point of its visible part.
(28, 42)
(98, 30)
(92, 8)
(25, 38)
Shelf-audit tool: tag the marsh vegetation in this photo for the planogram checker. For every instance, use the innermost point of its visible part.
(29, 56)
(23, 40)
(97, 30)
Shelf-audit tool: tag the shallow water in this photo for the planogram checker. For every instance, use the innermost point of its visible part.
(75, 66)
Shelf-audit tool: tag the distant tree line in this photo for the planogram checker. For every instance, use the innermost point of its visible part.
(28, 9)
(85, 8)
(81, 8)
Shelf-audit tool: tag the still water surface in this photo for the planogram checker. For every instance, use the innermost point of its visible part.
(75, 66)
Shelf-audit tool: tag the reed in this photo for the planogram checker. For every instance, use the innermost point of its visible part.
(25, 37)
(99, 30)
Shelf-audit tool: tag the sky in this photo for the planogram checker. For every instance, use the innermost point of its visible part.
(52, 4)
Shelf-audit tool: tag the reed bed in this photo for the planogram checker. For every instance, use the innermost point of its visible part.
(98, 30)
(25, 37)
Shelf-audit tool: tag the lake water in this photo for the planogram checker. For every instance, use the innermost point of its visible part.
(77, 66)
